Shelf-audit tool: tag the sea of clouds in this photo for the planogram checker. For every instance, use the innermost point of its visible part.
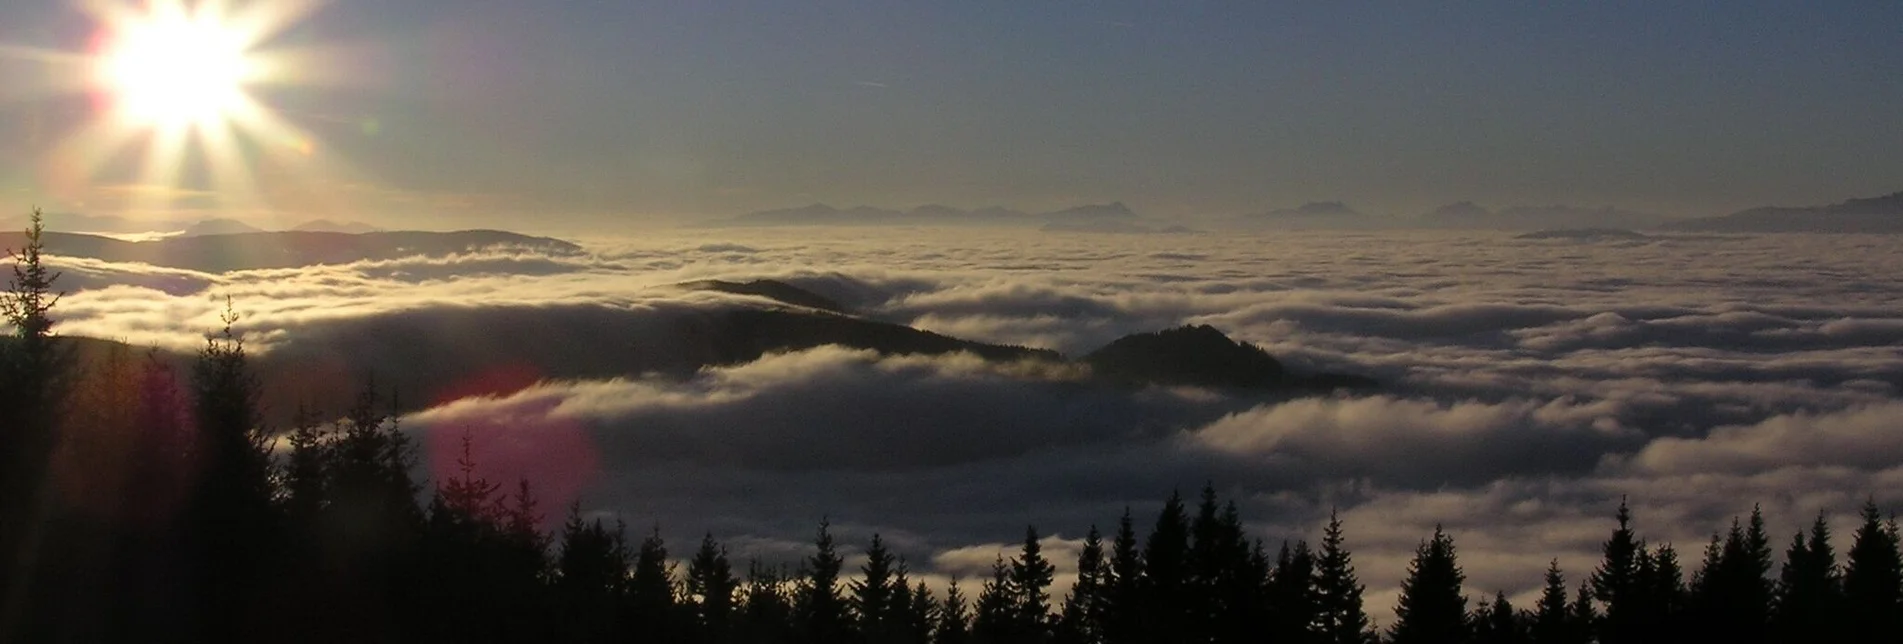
(1529, 384)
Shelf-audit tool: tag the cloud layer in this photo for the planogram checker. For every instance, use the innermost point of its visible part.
(1531, 383)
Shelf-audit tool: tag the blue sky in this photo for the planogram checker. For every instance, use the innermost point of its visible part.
(607, 111)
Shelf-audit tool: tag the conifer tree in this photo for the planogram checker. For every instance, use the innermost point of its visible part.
(1292, 601)
(875, 596)
(1550, 623)
(1810, 590)
(995, 619)
(1083, 616)
(1030, 582)
(711, 585)
(954, 618)
(1206, 566)
(1123, 586)
(1582, 619)
(591, 577)
(1167, 606)
(767, 616)
(302, 493)
(1498, 623)
(1339, 616)
(1665, 596)
(1733, 593)
(34, 376)
(1221, 575)
(1618, 584)
(32, 370)
(1873, 577)
(230, 511)
(651, 598)
(819, 610)
(915, 610)
(1431, 609)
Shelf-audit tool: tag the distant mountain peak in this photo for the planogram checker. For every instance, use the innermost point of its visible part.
(1113, 209)
(1864, 215)
(219, 227)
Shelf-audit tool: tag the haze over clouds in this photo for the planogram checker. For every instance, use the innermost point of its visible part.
(1528, 384)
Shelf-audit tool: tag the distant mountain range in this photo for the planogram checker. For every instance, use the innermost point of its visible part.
(1872, 215)
(932, 215)
(1469, 215)
(1335, 215)
(242, 251)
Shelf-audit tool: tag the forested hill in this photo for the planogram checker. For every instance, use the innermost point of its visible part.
(241, 251)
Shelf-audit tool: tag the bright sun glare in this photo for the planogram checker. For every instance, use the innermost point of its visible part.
(176, 70)
(175, 81)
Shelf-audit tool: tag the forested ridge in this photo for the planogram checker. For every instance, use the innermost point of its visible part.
(141, 503)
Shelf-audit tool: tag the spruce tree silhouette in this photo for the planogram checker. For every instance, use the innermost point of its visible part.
(591, 579)
(1223, 595)
(1123, 586)
(954, 617)
(1873, 576)
(911, 614)
(767, 612)
(1340, 618)
(1431, 609)
(1550, 623)
(1293, 605)
(1083, 615)
(1582, 618)
(1810, 589)
(34, 371)
(653, 604)
(1665, 599)
(875, 597)
(819, 610)
(1732, 593)
(711, 587)
(232, 522)
(1498, 623)
(1030, 581)
(1167, 607)
(1619, 584)
(994, 620)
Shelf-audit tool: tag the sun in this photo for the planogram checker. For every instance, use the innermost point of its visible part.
(173, 69)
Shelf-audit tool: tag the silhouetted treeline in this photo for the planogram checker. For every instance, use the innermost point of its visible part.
(146, 505)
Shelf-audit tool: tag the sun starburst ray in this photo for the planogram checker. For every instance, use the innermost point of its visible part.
(178, 77)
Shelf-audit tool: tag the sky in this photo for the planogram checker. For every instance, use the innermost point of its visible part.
(604, 114)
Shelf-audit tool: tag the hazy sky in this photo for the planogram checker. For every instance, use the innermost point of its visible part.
(625, 110)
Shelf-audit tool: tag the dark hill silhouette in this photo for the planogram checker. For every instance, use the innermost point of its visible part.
(1203, 356)
(1872, 215)
(771, 289)
(435, 356)
(328, 226)
(1585, 234)
(1317, 215)
(432, 357)
(217, 253)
